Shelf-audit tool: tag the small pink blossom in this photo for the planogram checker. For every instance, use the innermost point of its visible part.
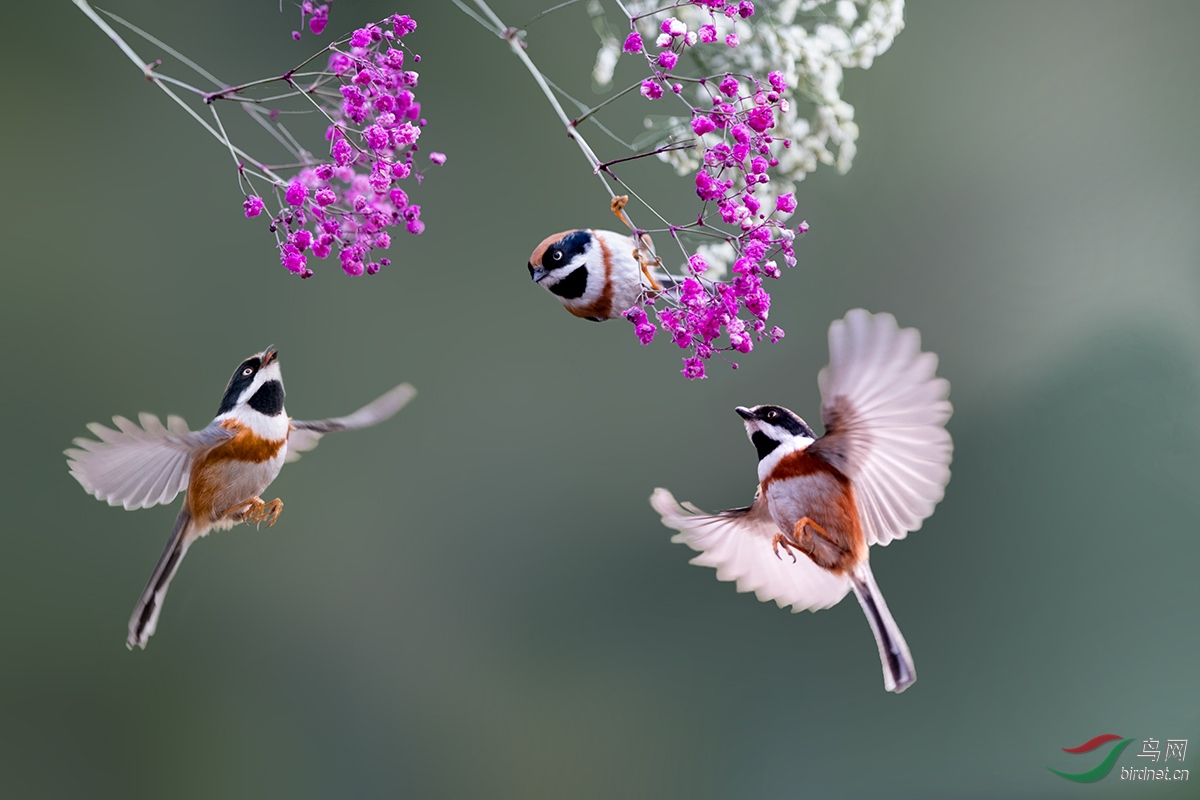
(348, 204)
(651, 90)
(342, 152)
(403, 24)
(292, 258)
(673, 27)
(319, 21)
(377, 138)
(296, 193)
(761, 118)
(693, 369)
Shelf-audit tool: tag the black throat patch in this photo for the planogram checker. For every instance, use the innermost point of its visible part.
(763, 444)
(573, 286)
(268, 399)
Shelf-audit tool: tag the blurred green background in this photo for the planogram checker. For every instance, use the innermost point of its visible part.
(475, 599)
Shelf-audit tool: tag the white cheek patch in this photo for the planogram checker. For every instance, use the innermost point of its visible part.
(269, 373)
(271, 428)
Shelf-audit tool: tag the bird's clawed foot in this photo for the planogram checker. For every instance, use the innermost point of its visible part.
(645, 249)
(261, 512)
(787, 543)
(258, 511)
(803, 541)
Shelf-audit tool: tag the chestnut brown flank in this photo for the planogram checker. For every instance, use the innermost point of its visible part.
(244, 446)
(838, 517)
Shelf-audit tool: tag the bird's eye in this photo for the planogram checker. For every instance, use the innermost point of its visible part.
(772, 414)
(557, 255)
(248, 371)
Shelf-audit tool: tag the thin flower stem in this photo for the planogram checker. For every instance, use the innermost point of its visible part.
(605, 102)
(224, 135)
(179, 83)
(650, 13)
(293, 165)
(664, 149)
(166, 47)
(153, 78)
(256, 114)
(664, 220)
(510, 36)
(287, 76)
(549, 11)
(324, 113)
(116, 37)
(300, 151)
(467, 10)
(583, 108)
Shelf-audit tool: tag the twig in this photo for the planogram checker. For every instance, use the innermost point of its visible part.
(147, 71)
(510, 35)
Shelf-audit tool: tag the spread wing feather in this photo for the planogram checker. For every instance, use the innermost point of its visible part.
(305, 435)
(139, 466)
(885, 414)
(738, 544)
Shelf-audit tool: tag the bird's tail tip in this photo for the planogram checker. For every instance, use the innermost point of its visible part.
(899, 671)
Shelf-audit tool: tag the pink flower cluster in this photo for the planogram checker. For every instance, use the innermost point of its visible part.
(698, 311)
(349, 202)
(317, 17)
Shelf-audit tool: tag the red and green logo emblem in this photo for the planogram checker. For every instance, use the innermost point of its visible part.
(1104, 767)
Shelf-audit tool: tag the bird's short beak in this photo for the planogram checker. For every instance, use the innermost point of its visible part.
(269, 355)
(744, 413)
(537, 273)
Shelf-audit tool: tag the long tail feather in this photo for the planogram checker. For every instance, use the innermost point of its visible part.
(145, 613)
(899, 672)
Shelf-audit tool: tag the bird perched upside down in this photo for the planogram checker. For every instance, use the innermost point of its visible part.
(597, 275)
(224, 467)
(876, 474)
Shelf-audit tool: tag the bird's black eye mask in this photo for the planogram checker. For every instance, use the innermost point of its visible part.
(239, 383)
(782, 418)
(565, 249)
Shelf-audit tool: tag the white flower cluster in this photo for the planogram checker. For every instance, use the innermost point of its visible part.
(811, 42)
